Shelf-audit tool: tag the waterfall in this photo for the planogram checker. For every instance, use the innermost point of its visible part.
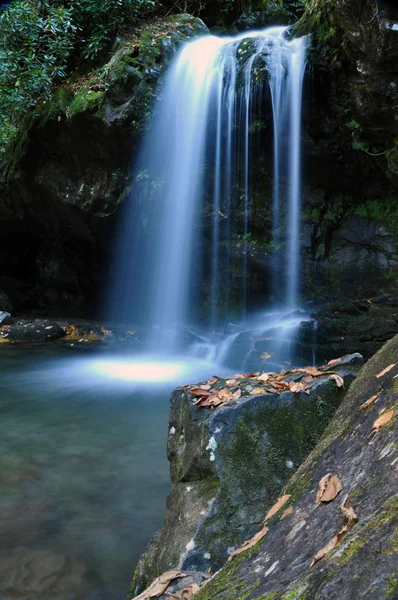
(196, 162)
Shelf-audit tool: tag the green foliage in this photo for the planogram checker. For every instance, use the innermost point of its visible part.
(38, 40)
(383, 210)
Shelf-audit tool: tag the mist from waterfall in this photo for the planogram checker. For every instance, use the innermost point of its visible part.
(196, 163)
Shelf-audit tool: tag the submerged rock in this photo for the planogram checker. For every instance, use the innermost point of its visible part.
(360, 449)
(228, 464)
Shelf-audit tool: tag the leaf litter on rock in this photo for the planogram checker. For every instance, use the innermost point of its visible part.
(329, 487)
(370, 400)
(212, 397)
(349, 514)
(386, 370)
(383, 419)
(260, 534)
(160, 585)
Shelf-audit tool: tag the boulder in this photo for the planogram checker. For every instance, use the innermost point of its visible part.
(37, 330)
(227, 464)
(345, 547)
(5, 318)
(345, 326)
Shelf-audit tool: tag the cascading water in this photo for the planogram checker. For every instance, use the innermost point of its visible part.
(202, 132)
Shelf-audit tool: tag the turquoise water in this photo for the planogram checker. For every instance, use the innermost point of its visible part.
(83, 470)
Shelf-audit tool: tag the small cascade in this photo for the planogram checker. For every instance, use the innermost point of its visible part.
(197, 159)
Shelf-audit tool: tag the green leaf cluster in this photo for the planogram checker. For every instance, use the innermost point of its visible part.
(39, 41)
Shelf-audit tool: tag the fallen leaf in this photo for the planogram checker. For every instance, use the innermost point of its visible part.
(186, 593)
(199, 392)
(205, 387)
(296, 387)
(325, 550)
(237, 394)
(386, 370)
(249, 543)
(348, 511)
(334, 362)
(160, 584)
(383, 419)
(224, 395)
(264, 377)
(339, 380)
(329, 487)
(287, 512)
(257, 391)
(370, 400)
(276, 507)
(213, 380)
(231, 382)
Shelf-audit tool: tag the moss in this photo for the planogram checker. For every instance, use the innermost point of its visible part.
(86, 100)
(57, 106)
(358, 540)
(237, 589)
(392, 586)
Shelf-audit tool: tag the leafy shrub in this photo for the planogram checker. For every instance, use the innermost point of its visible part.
(38, 39)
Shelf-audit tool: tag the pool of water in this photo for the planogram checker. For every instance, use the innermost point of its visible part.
(83, 469)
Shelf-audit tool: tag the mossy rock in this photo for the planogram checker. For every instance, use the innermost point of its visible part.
(229, 465)
(363, 563)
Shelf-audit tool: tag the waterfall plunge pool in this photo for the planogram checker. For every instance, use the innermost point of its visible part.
(83, 467)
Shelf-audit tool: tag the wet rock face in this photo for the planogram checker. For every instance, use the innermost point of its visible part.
(342, 326)
(226, 465)
(364, 456)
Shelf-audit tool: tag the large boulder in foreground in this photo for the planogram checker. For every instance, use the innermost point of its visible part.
(229, 462)
(354, 540)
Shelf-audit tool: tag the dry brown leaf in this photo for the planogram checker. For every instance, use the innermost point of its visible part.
(287, 512)
(383, 419)
(186, 593)
(257, 391)
(254, 374)
(334, 362)
(325, 550)
(199, 392)
(224, 395)
(348, 511)
(371, 400)
(264, 377)
(329, 487)
(213, 380)
(205, 387)
(386, 370)
(160, 584)
(231, 382)
(236, 395)
(250, 543)
(276, 507)
(339, 380)
(296, 387)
